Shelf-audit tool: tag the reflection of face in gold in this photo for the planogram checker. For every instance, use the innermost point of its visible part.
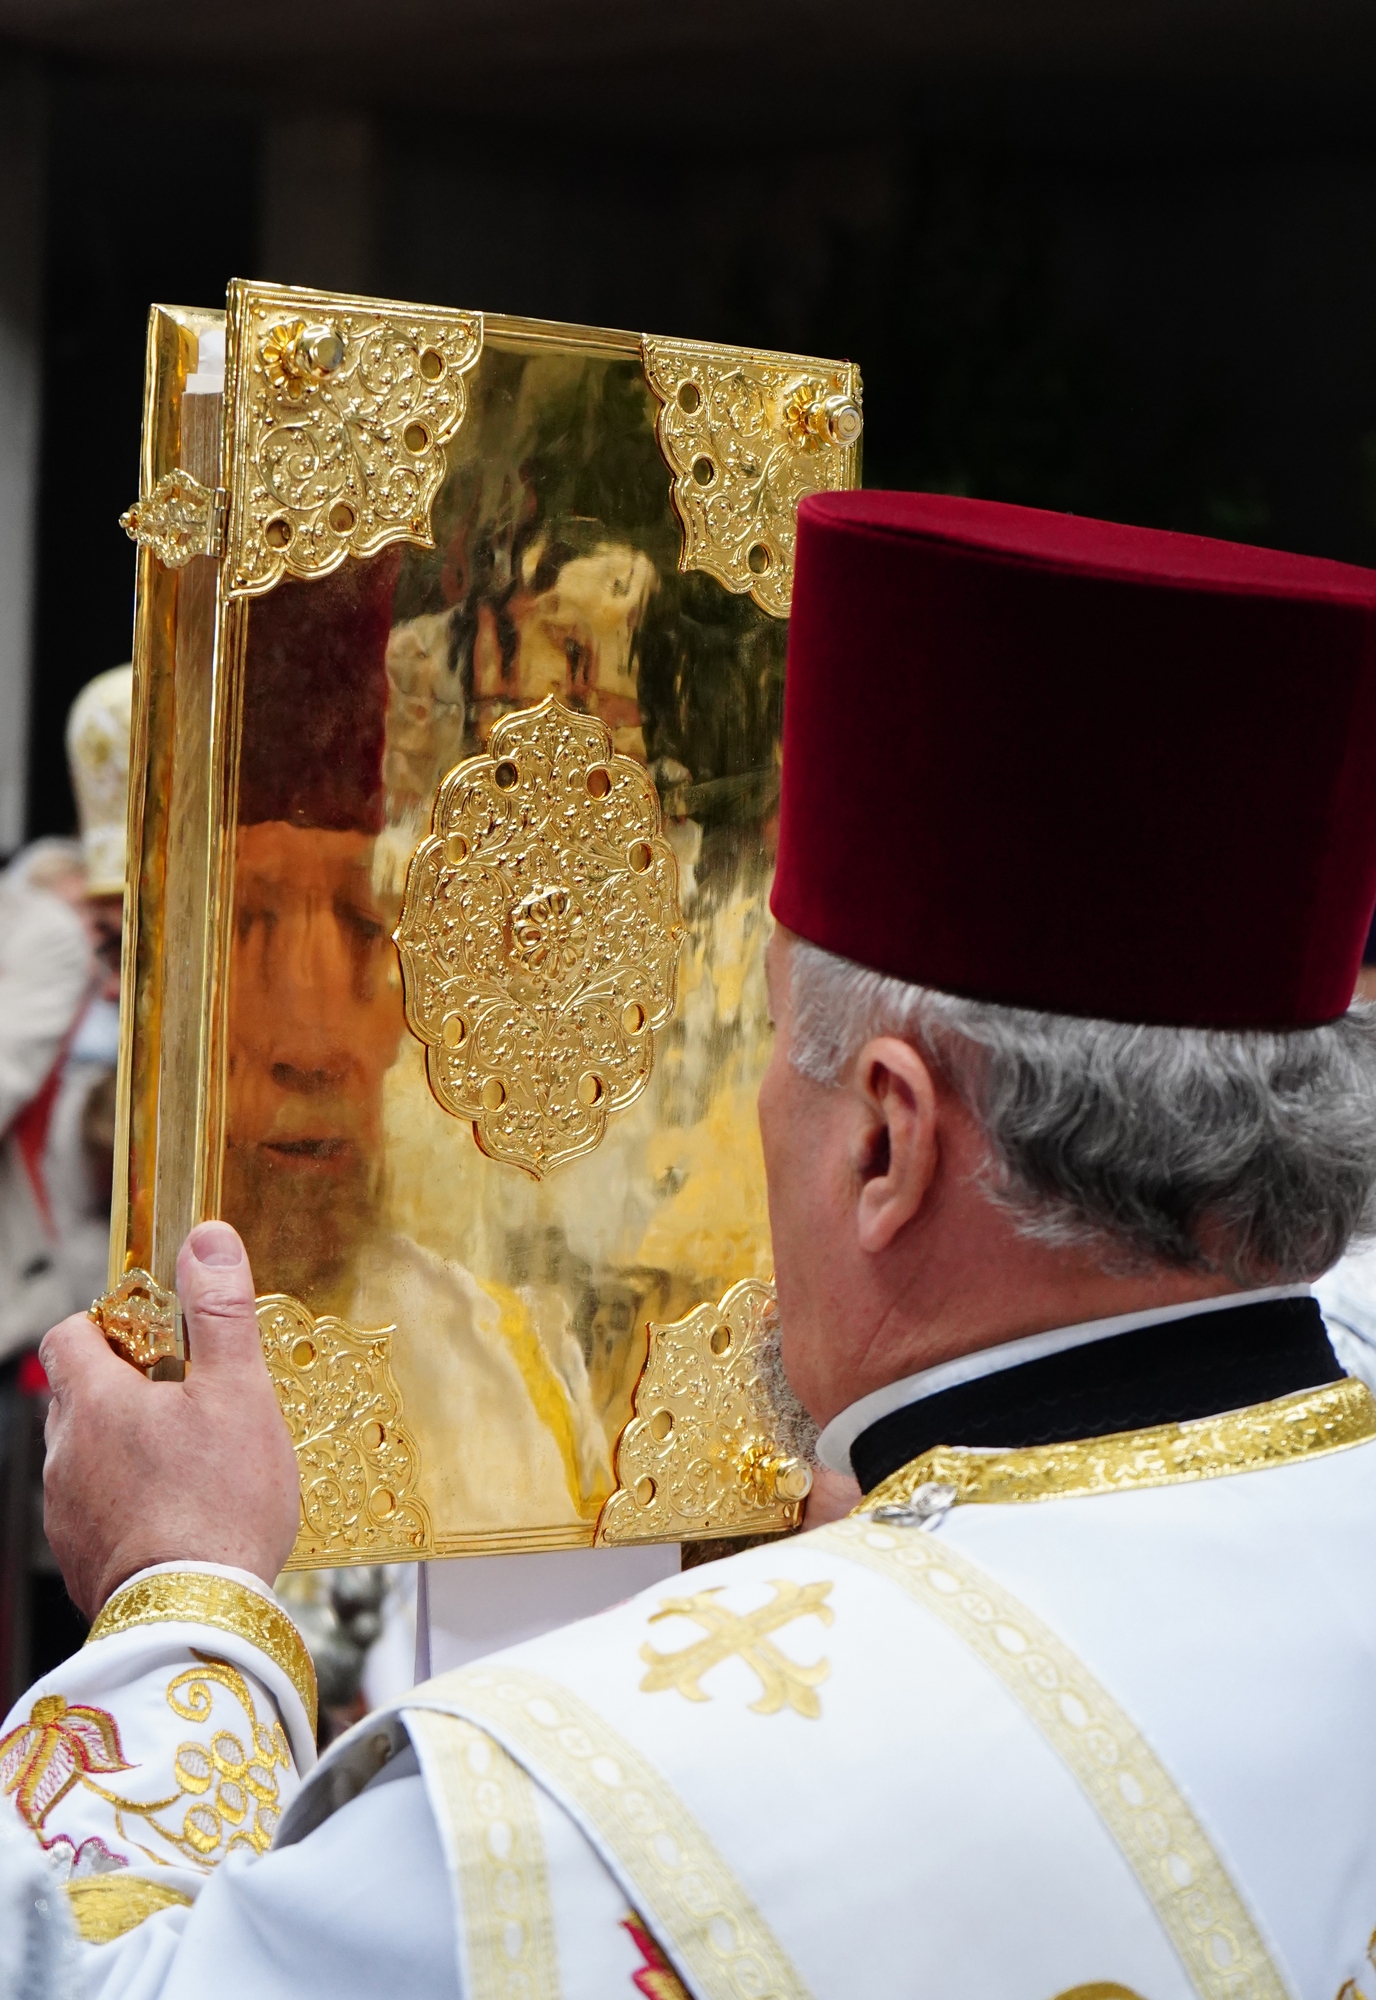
(315, 1015)
(574, 639)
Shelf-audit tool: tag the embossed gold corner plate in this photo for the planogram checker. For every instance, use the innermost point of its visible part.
(359, 1463)
(749, 436)
(539, 937)
(340, 412)
(700, 1458)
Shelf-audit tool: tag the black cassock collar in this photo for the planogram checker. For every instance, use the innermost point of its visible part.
(1168, 1373)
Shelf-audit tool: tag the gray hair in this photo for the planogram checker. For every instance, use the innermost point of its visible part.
(1133, 1140)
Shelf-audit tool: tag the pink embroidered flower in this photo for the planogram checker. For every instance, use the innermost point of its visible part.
(44, 1757)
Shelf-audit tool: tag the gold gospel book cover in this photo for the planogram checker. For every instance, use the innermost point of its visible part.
(459, 666)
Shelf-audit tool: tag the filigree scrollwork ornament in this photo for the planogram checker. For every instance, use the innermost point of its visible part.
(341, 416)
(539, 937)
(747, 437)
(360, 1466)
(139, 1319)
(179, 519)
(701, 1457)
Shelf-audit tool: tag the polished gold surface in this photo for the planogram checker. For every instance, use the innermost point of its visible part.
(747, 437)
(341, 412)
(296, 741)
(744, 1636)
(1249, 1440)
(193, 1597)
(359, 1463)
(139, 1319)
(539, 937)
(1142, 1809)
(179, 519)
(169, 625)
(699, 1459)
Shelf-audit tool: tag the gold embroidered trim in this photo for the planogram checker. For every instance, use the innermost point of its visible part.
(496, 1857)
(188, 1597)
(106, 1906)
(689, 1897)
(1201, 1910)
(1251, 1440)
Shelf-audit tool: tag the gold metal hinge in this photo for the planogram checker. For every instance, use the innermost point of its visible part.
(179, 519)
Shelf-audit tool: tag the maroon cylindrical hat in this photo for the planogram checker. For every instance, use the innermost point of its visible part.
(1085, 768)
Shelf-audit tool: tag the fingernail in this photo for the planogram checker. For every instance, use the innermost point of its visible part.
(215, 1243)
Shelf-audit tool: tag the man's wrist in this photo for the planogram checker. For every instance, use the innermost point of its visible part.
(227, 1600)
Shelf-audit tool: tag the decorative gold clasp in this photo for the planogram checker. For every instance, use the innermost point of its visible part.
(701, 1457)
(179, 519)
(140, 1321)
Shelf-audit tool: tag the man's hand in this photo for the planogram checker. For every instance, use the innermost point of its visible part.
(142, 1472)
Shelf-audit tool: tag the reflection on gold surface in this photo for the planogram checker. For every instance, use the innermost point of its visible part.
(748, 436)
(342, 410)
(699, 1457)
(359, 1465)
(314, 1028)
(539, 937)
(540, 591)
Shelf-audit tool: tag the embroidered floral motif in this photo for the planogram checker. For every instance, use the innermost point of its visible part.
(59, 1746)
(79, 1860)
(228, 1782)
(656, 1979)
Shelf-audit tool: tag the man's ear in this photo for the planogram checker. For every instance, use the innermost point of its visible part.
(899, 1149)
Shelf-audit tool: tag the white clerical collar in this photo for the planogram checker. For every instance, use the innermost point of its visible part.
(833, 1446)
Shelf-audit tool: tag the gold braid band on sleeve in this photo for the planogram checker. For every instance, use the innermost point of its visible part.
(189, 1597)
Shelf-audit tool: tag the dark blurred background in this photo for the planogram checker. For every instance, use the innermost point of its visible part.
(1116, 259)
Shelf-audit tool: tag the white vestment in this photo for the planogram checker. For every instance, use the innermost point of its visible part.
(1120, 1742)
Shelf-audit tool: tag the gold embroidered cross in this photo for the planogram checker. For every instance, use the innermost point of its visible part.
(782, 1682)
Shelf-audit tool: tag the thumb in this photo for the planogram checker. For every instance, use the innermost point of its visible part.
(215, 1285)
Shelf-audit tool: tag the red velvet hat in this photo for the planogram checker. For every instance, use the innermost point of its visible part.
(1079, 767)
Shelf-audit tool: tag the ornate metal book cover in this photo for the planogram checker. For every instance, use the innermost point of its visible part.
(459, 669)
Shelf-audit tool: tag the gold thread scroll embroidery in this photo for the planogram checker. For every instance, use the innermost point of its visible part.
(747, 437)
(233, 1789)
(539, 937)
(1304, 1425)
(106, 1906)
(360, 1465)
(783, 1683)
(496, 1857)
(342, 410)
(190, 1597)
(700, 1456)
(669, 1867)
(1202, 1912)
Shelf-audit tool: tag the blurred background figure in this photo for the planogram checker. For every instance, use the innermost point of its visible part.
(61, 904)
